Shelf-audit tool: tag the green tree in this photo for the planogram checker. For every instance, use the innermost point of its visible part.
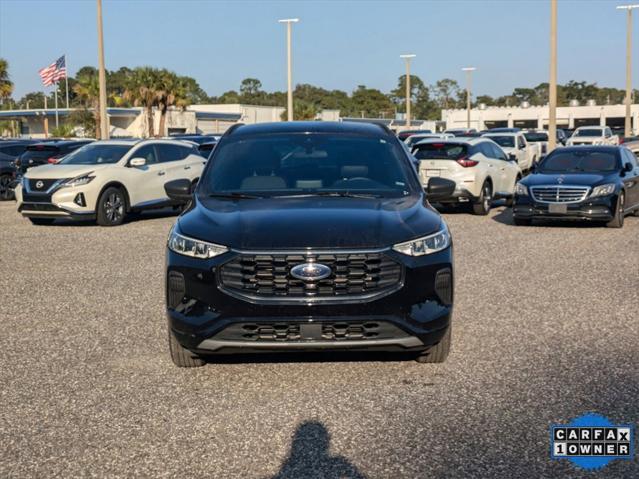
(87, 91)
(170, 91)
(142, 90)
(301, 111)
(6, 85)
(445, 92)
(369, 102)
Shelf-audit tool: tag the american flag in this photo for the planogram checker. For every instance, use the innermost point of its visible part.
(54, 72)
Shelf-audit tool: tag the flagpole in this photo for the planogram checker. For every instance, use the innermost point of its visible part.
(66, 79)
(56, 104)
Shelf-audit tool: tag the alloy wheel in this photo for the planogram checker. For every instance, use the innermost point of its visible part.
(114, 207)
(5, 191)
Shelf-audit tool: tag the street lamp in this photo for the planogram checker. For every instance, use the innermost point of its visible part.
(407, 57)
(552, 81)
(288, 22)
(629, 8)
(469, 72)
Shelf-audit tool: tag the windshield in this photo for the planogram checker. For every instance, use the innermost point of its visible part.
(504, 141)
(589, 132)
(580, 162)
(307, 163)
(534, 136)
(96, 154)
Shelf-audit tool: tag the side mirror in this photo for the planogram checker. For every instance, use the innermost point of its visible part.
(522, 147)
(179, 190)
(628, 167)
(512, 157)
(137, 162)
(439, 188)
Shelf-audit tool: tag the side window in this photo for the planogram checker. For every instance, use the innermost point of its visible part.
(608, 133)
(148, 153)
(172, 152)
(487, 150)
(499, 153)
(520, 142)
(632, 159)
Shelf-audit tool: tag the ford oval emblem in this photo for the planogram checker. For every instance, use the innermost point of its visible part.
(310, 271)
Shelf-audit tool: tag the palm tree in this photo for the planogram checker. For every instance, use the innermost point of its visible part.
(171, 91)
(6, 86)
(87, 89)
(142, 90)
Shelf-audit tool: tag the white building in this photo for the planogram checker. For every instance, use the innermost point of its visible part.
(133, 122)
(483, 118)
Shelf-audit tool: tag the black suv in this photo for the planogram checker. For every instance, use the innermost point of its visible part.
(599, 183)
(9, 151)
(313, 236)
(47, 152)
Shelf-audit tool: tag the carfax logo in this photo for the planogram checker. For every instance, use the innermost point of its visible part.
(591, 441)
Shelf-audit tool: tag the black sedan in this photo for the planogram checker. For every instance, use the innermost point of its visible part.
(9, 151)
(47, 152)
(599, 183)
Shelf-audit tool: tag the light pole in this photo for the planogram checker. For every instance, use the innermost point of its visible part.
(628, 64)
(407, 57)
(104, 127)
(289, 22)
(469, 76)
(552, 83)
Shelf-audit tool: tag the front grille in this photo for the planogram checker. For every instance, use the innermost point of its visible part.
(39, 207)
(282, 331)
(264, 276)
(38, 186)
(559, 194)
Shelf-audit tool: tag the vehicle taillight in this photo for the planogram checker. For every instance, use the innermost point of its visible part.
(466, 163)
(621, 140)
(53, 160)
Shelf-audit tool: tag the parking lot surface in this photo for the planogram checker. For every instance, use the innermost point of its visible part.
(546, 328)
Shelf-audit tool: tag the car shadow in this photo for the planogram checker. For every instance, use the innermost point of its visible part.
(310, 456)
(130, 218)
(310, 357)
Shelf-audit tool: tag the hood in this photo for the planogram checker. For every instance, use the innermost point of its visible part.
(61, 171)
(298, 223)
(575, 179)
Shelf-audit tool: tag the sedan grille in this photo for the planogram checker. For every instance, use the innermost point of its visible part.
(559, 194)
(268, 276)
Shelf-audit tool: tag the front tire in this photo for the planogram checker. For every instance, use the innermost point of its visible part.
(182, 357)
(437, 353)
(6, 193)
(617, 221)
(111, 207)
(482, 205)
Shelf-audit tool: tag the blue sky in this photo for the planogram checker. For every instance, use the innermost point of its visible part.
(337, 44)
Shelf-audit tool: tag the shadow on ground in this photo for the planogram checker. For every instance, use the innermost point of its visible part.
(310, 457)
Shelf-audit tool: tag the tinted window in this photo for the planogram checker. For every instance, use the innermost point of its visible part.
(534, 136)
(39, 152)
(13, 150)
(504, 141)
(96, 154)
(589, 132)
(632, 159)
(148, 153)
(435, 151)
(580, 161)
(497, 152)
(173, 152)
(285, 164)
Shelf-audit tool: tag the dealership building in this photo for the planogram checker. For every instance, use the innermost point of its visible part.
(133, 122)
(525, 116)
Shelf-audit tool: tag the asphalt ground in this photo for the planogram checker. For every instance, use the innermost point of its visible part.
(546, 328)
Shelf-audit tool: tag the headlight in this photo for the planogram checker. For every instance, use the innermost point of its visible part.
(192, 247)
(603, 190)
(426, 245)
(78, 181)
(521, 190)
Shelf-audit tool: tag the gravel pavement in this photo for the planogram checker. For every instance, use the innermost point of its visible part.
(546, 328)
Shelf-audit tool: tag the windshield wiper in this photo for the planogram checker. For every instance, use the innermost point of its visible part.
(335, 194)
(234, 196)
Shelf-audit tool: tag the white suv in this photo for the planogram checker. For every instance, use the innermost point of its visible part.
(478, 166)
(105, 180)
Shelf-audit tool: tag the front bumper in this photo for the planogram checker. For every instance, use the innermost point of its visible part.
(594, 209)
(75, 203)
(208, 320)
